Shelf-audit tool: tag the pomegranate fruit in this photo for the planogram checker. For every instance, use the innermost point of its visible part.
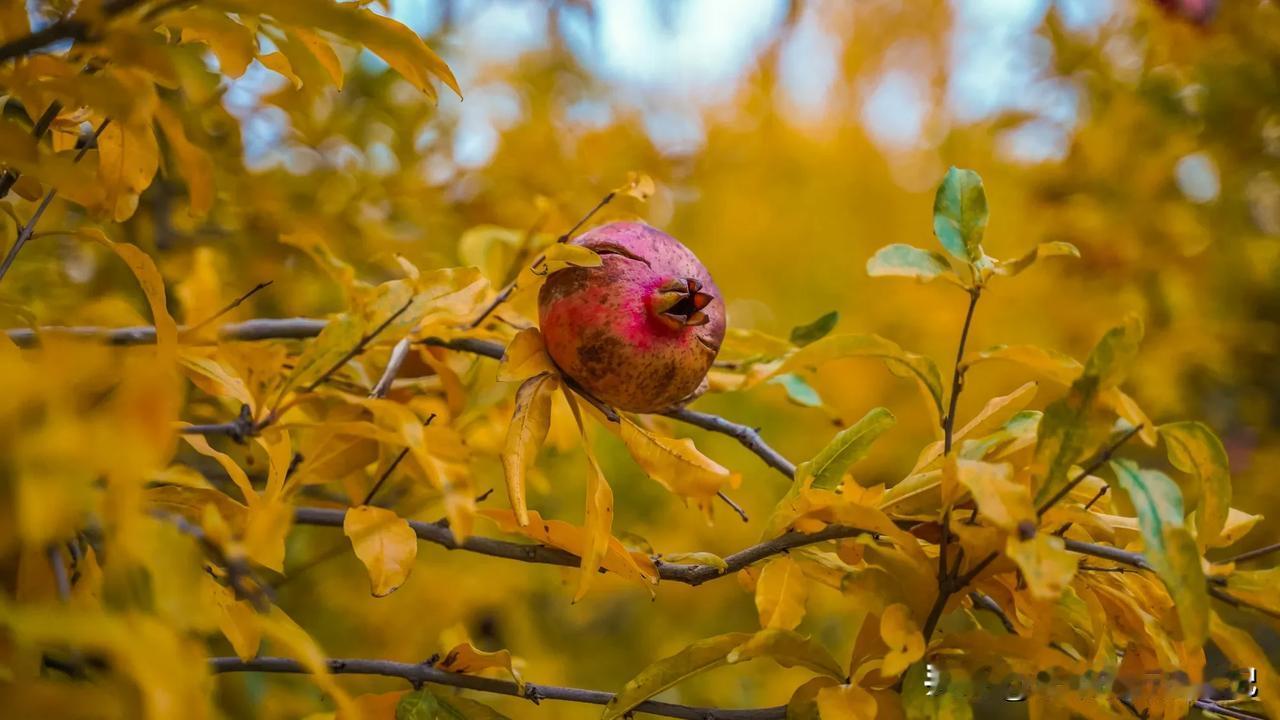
(640, 331)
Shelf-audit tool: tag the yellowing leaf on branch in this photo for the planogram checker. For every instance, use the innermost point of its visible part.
(1001, 500)
(525, 357)
(465, 658)
(899, 361)
(385, 543)
(788, 649)
(696, 658)
(571, 538)
(1045, 563)
(525, 434)
(1193, 448)
(676, 464)
(848, 447)
(781, 592)
(902, 636)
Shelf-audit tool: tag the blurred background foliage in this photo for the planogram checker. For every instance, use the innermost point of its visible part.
(789, 139)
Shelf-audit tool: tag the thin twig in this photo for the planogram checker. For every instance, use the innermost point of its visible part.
(733, 506)
(240, 575)
(1213, 707)
(392, 467)
(439, 533)
(60, 578)
(1254, 554)
(983, 601)
(230, 306)
(420, 673)
(1235, 602)
(72, 28)
(359, 347)
(747, 436)
(30, 227)
(957, 376)
(511, 285)
(10, 175)
(398, 355)
(947, 575)
(1091, 468)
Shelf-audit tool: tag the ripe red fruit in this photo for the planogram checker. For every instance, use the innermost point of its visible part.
(640, 331)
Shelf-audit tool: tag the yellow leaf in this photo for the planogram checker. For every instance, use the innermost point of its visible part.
(385, 543)
(695, 558)
(525, 434)
(564, 255)
(278, 63)
(598, 520)
(525, 357)
(194, 163)
(465, 658)
(267, 525)
(1003, 501)
(152, 284)
(781, 593)
(233, 470)
(638, 185)
(676, 464)
(237, 619)
(571, 538)
(902, 636)
(846, 702)
(322, 51)
(1244, 652)
(991, 413)
(788, 649)
(289, 639)
(1046, 565)
(698, 657)
(128, 157)
(231, 42)
(212, 377)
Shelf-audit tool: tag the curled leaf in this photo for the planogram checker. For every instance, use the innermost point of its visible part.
(385, 543)
(525, 434)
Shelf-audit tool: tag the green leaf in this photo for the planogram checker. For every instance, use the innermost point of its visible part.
(901, 260)
(789, 649)
(698, 657)
(1043, 250)
(1064, 429)
(426, 705)
(1168, 546)
(798, 391)
(419, 705)
(1194, 449)
(1112, 358)
(899, 361)
(848, 447)
(802, 335)
(960, 214)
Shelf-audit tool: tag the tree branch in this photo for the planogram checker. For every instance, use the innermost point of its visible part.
(748, 437)
(304, 328)
(439, 533)
(1091, 468)
(30, 227)
(419, 673)
(72, 28)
